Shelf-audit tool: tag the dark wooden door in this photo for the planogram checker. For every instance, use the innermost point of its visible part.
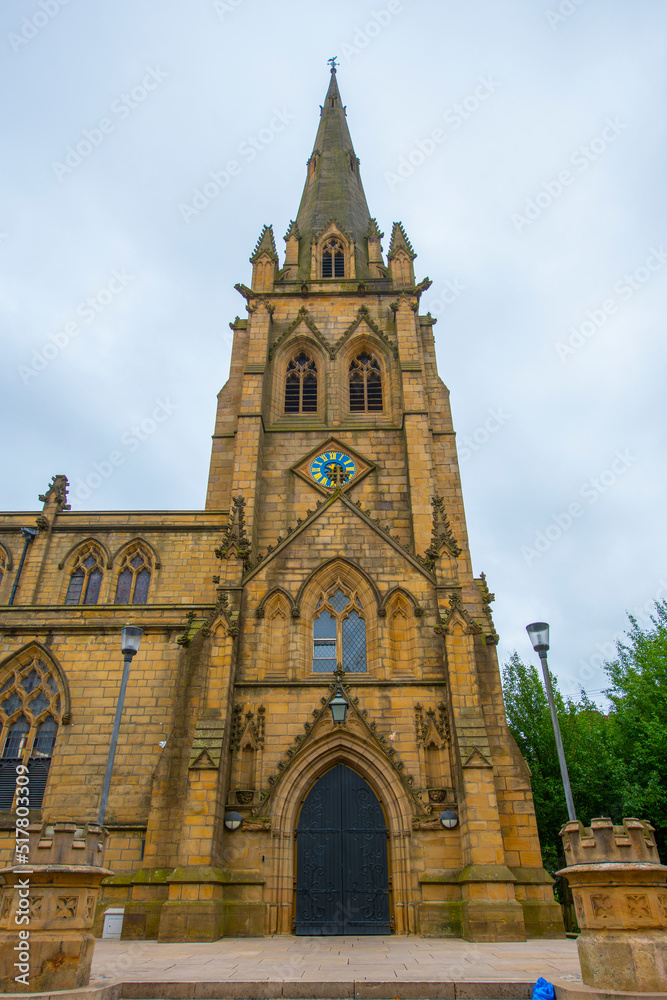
(342, 880)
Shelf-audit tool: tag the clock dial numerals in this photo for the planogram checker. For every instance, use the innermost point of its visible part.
(333, 468)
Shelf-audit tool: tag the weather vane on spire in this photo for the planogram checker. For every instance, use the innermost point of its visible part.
(332, 62)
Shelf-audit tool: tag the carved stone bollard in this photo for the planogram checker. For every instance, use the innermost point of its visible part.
(620, 896)
(47, 906)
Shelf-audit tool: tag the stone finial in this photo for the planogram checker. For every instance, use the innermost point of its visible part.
(604, 842)
(56, 493)
(264, 261)
(400, 241)
(265, 245)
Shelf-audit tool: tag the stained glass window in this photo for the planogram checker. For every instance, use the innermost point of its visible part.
(135, 576)
(86, 577)
(29, 717)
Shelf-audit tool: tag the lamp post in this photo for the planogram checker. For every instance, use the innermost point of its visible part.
(129, 646)
(538, 633)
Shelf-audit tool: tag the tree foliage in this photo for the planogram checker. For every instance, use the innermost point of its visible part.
(638, 720)
(617, 760)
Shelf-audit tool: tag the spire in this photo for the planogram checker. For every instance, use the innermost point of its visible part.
(333, 189)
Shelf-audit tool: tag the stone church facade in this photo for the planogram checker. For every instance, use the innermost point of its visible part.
(330, 565)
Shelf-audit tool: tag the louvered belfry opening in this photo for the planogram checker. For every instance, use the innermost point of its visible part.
(333, 259)
(365, 384)
(301, 385)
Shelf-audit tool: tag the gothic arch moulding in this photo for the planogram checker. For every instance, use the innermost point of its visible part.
(6, 562)
(351, 575)
(120, 551)
(277, 610)
(340, 746)
(294, 347)
(363, 332)
(394, 596)
(272, 597)
(72, 552)
(332, 253)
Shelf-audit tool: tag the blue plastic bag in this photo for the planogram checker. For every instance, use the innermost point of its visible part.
(542, 990)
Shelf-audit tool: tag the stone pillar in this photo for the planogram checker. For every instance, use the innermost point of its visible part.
(489, 909)
(620, 896)
(47, 908)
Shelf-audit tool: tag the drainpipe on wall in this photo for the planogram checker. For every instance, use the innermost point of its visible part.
(28, 534)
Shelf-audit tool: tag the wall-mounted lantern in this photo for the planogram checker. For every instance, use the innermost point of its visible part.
(338, 706)
(233, 820)
(449, 819)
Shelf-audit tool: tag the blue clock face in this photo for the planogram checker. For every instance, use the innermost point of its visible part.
(333, 468)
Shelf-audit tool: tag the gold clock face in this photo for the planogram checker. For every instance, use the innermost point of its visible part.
(332, 469)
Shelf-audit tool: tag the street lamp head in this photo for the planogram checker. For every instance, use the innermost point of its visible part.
(538, 633)
(130, 639)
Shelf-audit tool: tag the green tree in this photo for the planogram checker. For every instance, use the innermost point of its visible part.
(596, 772)
(638, 720)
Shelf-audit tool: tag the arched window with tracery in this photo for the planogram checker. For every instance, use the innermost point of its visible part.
(339, 632)
(301, 385)
(365, 384)
(30, 713)
(134, 576)
(86, 576)
(333, 259)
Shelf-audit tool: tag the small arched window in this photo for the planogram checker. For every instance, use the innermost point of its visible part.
(30, 711)
(3, 563)
(365, 384)
(333, 259)
(339, 633)
(301, 385)
(135, 576)
(86, 578)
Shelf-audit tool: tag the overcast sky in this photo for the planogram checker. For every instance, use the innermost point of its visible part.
(522, 144)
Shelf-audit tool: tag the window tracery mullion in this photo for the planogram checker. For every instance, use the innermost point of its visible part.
(32, 743)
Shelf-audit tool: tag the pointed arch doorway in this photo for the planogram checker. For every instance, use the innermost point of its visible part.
(342, 875)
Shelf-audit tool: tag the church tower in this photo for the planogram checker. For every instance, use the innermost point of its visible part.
(314, 738)
(345, 569)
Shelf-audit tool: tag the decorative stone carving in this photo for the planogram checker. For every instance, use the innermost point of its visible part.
(618, 886)
(248, 730)
(431, 727)
(207, 745)
(53, 892)
(235, 541)
(457, 617)
(57, 493)
(442, 536)
(357, 719)
(492, 637)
